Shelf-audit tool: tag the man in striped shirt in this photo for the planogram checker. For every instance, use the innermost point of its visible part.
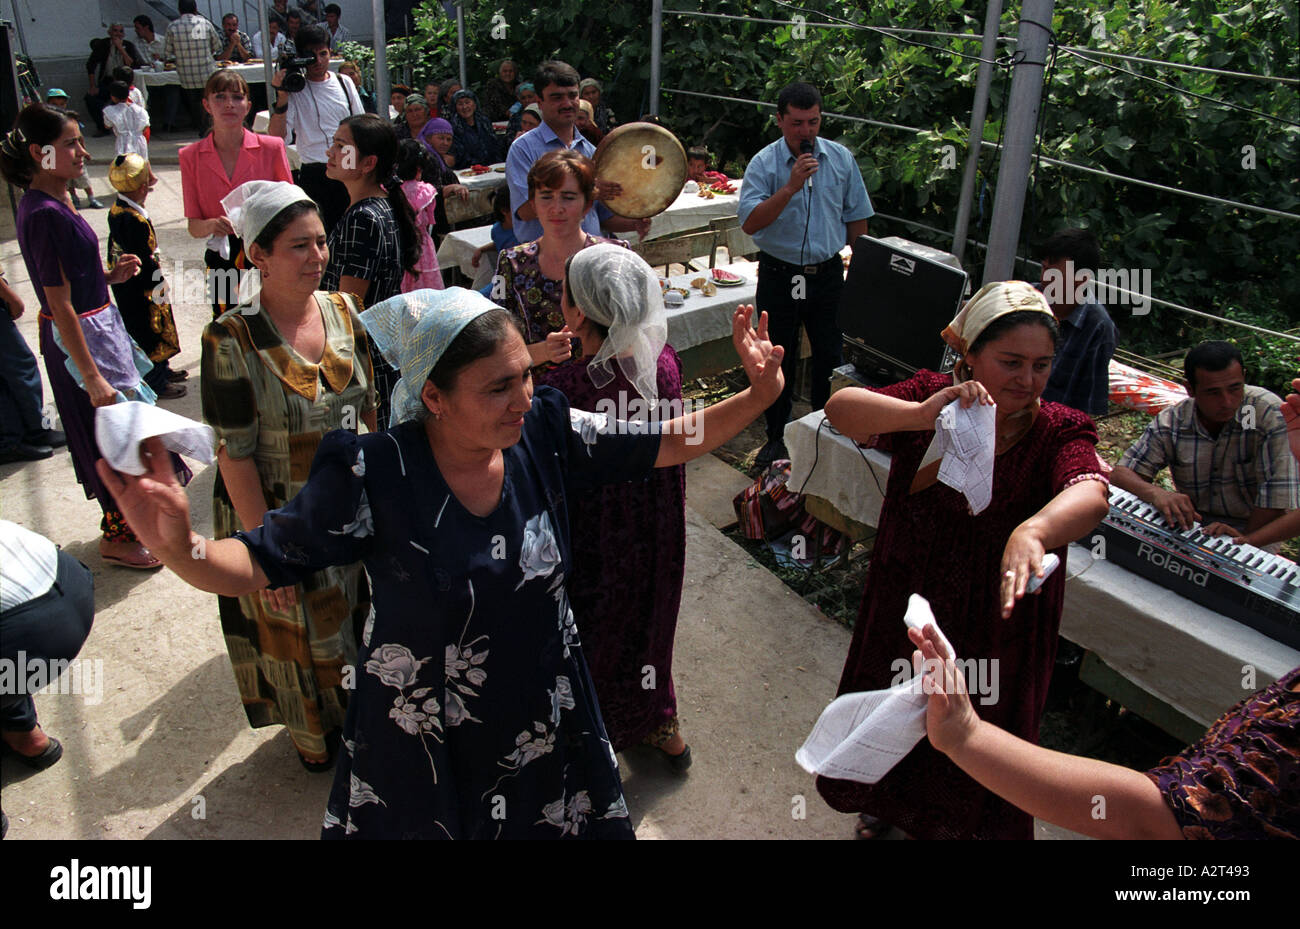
(194, 43)
(1226, 448)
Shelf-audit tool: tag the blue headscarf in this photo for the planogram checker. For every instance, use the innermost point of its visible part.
(413, 330)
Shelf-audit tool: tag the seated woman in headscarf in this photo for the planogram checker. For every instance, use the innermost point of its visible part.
(472, 140)
(590, 90)
(473, 714)
(1049, 488)
(499, 92)
(629, 540)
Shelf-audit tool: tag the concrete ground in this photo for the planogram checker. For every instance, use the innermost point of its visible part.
(164, 751)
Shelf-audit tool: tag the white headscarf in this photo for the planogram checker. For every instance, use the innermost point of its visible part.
(250, 207)
(990, 302)
(413, 330)
(614, 286)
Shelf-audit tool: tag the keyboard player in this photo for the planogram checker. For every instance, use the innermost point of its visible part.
(1227, 450)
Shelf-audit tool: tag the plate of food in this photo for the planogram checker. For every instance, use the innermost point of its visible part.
(726, 278)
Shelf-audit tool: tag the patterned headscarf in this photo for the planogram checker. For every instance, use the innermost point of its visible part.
(412, 331)
(614, 287)
(989, 303)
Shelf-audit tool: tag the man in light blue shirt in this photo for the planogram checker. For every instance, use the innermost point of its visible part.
(803, 200)
(557, 92)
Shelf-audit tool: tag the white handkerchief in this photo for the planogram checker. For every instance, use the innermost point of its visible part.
(120, 428)
(967, 441)
(221, 245)
(861, 736)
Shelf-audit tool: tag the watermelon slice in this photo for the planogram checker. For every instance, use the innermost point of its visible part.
(727, 277)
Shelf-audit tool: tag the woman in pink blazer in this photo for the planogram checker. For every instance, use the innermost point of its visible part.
(215, 165)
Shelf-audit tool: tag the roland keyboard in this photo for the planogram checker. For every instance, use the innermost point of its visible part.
(1243, 582)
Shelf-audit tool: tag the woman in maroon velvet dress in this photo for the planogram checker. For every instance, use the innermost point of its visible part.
(629, 540)
(1048, 489)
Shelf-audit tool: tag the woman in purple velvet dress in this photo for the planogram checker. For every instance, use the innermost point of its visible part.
(629, 540)
(89, 356)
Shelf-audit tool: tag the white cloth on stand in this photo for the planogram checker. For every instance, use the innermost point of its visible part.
(861, 736)
(120, 428)
(967, 440)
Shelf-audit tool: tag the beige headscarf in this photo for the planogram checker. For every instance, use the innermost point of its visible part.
(989, 303)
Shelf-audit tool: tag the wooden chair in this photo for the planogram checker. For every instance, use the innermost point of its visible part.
(679, 250)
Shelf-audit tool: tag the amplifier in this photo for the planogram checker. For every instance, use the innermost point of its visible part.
(898, 296)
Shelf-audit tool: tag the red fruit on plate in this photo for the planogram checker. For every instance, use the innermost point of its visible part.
(721, 275)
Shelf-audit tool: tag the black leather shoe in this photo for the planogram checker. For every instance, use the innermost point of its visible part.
(51, 437)
(24, 451)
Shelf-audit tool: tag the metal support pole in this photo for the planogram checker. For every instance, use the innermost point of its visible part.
(460, 43)
(18, 26)
(656, 52)
(268, 52)
(1021, 127)
(979, 110)
(382, 92)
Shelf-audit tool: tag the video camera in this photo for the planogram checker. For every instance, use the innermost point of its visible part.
(294, 78)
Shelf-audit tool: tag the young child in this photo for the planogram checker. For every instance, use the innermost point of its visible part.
(127, 77)
(143, 300)
(58, 100)
(414, 162)
(503, 233)
(697, 164)
(129, 121)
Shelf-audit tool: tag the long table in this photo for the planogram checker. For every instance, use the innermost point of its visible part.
(482, 188)
(691, 212)
(1183, 654)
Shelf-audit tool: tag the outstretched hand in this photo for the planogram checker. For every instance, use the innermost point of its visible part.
(1291, 413)
(760, 358)
(949, 717)
(154, 504)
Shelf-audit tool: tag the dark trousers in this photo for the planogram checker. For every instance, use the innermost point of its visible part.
(792, 295)
(96, 101)
(52, 626)
(20, 387)
(330, 195)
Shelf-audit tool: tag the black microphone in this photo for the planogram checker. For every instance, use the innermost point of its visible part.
(805, 148)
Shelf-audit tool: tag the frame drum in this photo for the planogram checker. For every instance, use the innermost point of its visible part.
(649, 164)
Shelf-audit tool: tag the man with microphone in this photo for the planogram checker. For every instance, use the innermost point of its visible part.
(802, 200)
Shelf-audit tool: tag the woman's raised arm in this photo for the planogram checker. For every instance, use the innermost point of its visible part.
(158, 512)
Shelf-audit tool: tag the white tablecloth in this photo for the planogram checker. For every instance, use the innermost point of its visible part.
(482, 188)
(689, 212)
(840, 476)
(458, 248)
(1180, 652)
(706, 319)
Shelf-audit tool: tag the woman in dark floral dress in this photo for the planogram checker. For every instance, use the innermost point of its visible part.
(473, 713)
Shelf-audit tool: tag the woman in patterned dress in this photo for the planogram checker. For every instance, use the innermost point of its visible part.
(473, 714)
(281, 370)
(1048, 489)
(530, 276)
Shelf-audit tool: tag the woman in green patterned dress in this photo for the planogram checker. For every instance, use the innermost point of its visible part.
(279, 371)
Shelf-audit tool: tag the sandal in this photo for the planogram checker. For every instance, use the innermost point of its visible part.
(332, 740)
(871, 827)
(128, 555)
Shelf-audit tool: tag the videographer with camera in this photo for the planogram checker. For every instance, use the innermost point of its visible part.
(310, 102)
